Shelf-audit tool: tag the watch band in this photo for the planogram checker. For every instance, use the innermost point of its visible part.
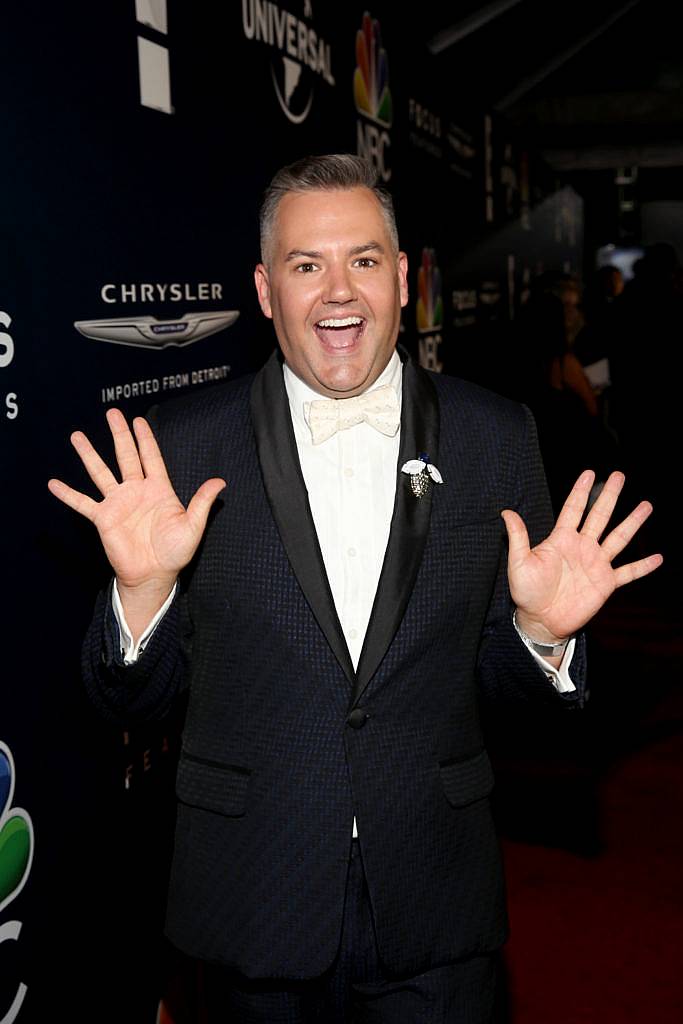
(544, 649)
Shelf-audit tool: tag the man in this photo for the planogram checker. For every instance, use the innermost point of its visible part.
(335, 622)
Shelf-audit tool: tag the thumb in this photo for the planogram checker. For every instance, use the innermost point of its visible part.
(518, 538)
(204, 497)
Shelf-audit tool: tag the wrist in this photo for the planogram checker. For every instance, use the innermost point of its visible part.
(145, 589)
(141, 602)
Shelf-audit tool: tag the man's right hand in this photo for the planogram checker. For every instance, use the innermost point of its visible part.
(147, 534)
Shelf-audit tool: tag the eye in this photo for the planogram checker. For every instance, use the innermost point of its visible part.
(365, 261)
(306, 268)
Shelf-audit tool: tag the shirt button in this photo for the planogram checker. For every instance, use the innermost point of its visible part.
(348, 471)
(353, 633)
(351, 552)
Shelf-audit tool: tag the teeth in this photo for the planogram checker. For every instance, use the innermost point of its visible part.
(348, 321)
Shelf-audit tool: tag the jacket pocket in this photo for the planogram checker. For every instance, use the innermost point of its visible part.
(212, 786)
(466, 781)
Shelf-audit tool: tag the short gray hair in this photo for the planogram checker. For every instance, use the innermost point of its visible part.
(330, 173)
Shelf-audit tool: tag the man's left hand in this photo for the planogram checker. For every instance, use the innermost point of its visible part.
(561, 583)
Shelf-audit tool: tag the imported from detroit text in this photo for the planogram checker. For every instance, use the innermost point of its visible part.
(170, 382)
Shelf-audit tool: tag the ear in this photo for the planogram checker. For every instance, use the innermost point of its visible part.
(262, 283)
(403, 277)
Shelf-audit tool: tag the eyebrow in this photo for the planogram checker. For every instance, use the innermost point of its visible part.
(314, 254)
(368, 247)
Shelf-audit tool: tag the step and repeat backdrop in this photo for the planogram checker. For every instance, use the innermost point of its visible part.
(137, 139)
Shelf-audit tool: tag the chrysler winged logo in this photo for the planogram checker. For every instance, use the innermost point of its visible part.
(150, 332)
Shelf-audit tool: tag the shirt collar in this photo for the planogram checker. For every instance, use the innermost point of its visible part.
(300, 395)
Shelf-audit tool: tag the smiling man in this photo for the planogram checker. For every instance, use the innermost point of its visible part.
(349, 602)
(333, 283)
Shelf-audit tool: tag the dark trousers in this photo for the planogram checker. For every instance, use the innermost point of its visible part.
(356, 989)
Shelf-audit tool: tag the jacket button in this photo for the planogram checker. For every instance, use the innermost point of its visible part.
(358, 718)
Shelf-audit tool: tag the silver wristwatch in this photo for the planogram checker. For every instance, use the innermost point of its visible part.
(545, 650)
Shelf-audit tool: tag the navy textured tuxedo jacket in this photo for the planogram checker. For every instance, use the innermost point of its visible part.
(283, 741)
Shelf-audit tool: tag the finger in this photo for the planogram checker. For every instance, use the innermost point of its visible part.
(200, 505)
(634, 570)
(124, 446)
(574, 507)
(97, 469)
(601, 512)
(74, 499)
(518, 538)
(150, 456)
(615, 542)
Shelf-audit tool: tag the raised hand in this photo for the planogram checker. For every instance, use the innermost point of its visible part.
(561, 583)
(147, 534)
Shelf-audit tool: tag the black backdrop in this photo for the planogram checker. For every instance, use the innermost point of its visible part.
(136, 141)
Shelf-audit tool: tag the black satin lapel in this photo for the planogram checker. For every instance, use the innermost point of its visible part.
(409, 524)
(288, 498)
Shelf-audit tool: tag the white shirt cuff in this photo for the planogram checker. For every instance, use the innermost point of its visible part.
(132, 651)
(559, 676)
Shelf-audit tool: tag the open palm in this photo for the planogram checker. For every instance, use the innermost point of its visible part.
(147, 534)
(562, 582)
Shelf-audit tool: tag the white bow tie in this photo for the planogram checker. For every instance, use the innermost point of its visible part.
(379, 408)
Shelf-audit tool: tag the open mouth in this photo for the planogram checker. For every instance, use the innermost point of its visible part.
(340, 333)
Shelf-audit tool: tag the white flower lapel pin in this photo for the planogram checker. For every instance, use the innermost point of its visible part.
(421, 473)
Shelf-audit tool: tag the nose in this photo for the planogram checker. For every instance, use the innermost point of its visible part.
(338, 284)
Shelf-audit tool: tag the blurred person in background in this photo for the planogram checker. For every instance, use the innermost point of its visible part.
(553, 384)
(646, 362)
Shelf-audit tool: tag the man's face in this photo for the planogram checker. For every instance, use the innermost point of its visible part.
(334, 289)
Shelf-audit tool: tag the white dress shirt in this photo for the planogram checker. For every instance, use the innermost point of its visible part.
(351, 484)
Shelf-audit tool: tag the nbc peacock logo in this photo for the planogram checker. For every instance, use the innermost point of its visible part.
(16, 835)
(371, 77)
(16, 857)
(429, 308)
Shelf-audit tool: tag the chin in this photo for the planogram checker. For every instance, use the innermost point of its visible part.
(343, 385)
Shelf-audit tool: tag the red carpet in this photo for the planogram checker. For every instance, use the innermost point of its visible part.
(599, 939)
